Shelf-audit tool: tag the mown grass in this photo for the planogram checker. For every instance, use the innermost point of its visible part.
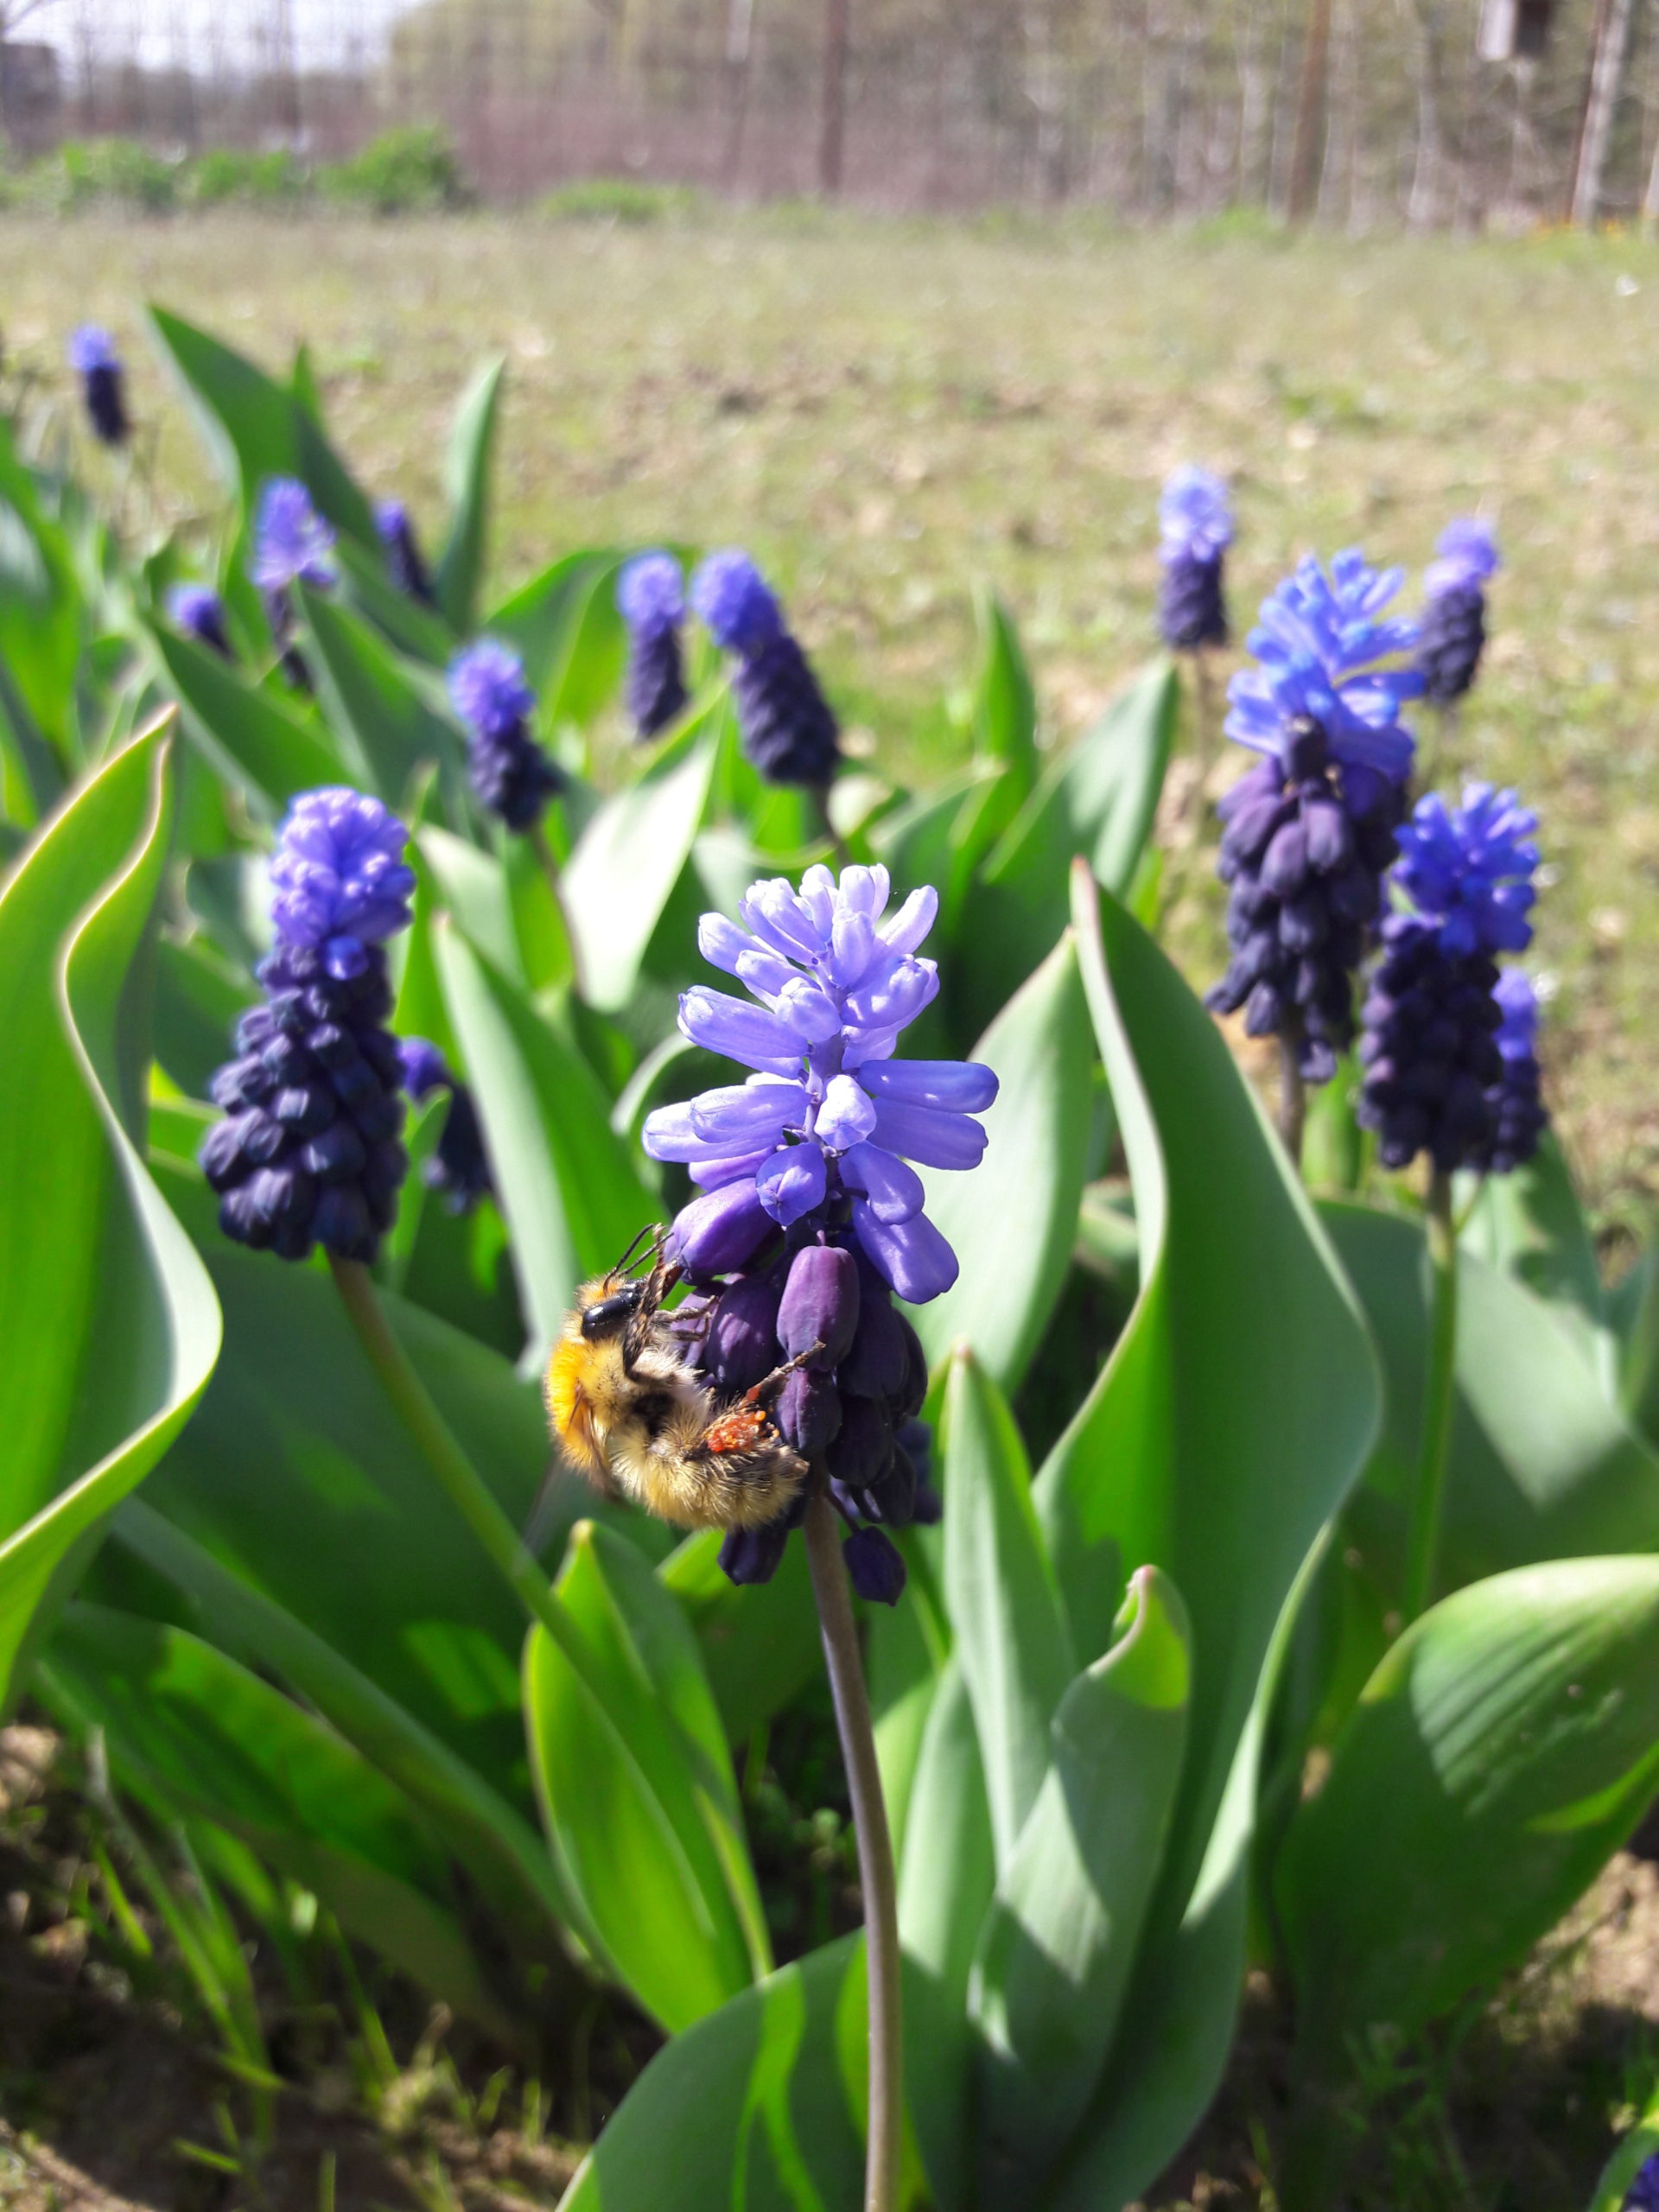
(886, 410)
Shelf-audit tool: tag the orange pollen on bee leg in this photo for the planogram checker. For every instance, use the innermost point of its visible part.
(739, 1430)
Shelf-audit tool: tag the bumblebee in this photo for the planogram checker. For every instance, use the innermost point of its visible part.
(632, 1415)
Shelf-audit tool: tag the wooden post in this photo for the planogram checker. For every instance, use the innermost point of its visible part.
(1310, 112)
(837, 35)
(1606, 73)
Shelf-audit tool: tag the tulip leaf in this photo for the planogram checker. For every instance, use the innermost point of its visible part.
(262, 748)
(636, 1788)
(467, 479)
(1012, 1220)
(758, 1644)
(1543, 1465)
(566, 1182)
(183, 1719)
(376, 704)
(41, 623)
(198, 998)
(543, 618)
(1058, 1944)
(255, 427)
(1223, 1434)
(1503, 1750)
(1012, 1638)
(1097, 802)
(625, 868)
(110, 1323)
(1530, 1225)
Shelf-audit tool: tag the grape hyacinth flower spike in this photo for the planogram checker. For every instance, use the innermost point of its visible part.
(1309, 831)
(103, 383)
(309, 1152)
(651, 598)
(1432, 1065)
(811, 1157)
(405, 563)
(789, 730)
(1644, 2193)
(1195, 528)
(292, 544)
(513, 776)
(1453, 625)
(198, 610)
(458, 1170)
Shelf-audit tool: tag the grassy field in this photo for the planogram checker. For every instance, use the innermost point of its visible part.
(885, 412)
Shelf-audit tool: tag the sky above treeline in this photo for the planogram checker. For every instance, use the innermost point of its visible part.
(214, 34)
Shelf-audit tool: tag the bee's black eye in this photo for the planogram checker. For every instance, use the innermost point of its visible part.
(610, 1314)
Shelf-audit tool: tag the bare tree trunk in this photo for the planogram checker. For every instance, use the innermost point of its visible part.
(1310, 114)
(1254, 108)
(832, 137)
(1607, 74)
(1423, 207)
(739, 42)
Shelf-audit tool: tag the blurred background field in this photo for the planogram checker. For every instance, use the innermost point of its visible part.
(889, 409)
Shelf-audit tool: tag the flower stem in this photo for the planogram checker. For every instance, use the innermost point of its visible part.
(466, 1488)
(1292, 1094)
(1439, 1398)
(875, 1874)
(544, 854)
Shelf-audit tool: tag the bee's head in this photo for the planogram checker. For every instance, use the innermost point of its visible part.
(606, 1317)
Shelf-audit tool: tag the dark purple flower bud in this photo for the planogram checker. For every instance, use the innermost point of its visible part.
(808, 1412)
(721, 1230)
(651, 598)
(751, 1555)
(199, 613)
(878, 1362)
(102, 382)
(741, 1346)
(406, 564)
(876, 1566)
(862, 1451)
(510, 774)
(820, 1306)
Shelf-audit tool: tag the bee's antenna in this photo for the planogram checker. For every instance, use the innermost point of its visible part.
(653, 1229)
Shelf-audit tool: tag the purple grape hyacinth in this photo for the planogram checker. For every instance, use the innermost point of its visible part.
(1310, 831)
(511, 774)
(1644, 2193)
(103, 383)
(310, 1152)
(812, 1216)
(1453, 620)
(1518, 1116)
(198, 610)
(459, 1170)
(651, 598)
(291, 544)
(1434, 1069)
(405, 563)
(789, 730)
(1195, 528)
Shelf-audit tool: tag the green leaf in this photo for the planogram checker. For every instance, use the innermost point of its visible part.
(758, 1644)
(467, 479)
(1541, 1464)
(1013, 1640)
(255, 427)
(1501, 1751)
(41, 616)
(636, 1788)
(544, 617)
(1096, 801)
(625, 865)
(753, 2102)
(566, 1182)
(1054, 1960)
(1529, 1224)
(1012, 1220)
(1224, 1432)
(180, 1718)
(108, 1321)
(1004, 701)
(1627, 2162)
(377, 705)
(257, 744)
(486, 1830)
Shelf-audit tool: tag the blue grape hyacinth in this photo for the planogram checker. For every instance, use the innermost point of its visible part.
(458, 1171)
(1515, 1106)
(1434, 1070)
(1644, 2193)
(405, 563)
(789, 730)
(511, 774)
(1310, 831)
(811, 1215)
(198, 610)
(1195, 528)
(309, 1151)
(651, 598)
(1453, 625)
(291, 544)
(103, 383)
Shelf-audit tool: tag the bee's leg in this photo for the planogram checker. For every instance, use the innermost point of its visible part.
(769, 1385)
(642, 1321)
